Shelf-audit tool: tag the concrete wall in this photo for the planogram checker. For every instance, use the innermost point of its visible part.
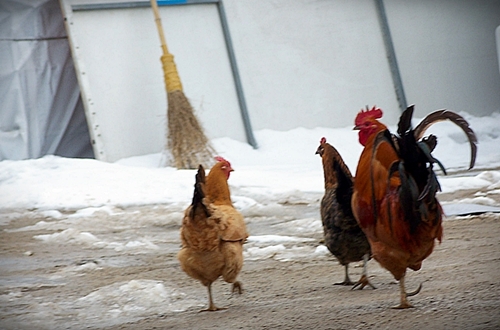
(310, 63)
(302, 63)
(118, 57)
(447, 54)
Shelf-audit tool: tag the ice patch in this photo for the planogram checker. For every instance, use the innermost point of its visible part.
(277, 239)
(52, 214)
(322, 250)
(281, 253)
(90, 211)
(132, 300)
(303, 226)
(139, 245)
(68, 235)
(73, 235)
(452, 184)
(40, 225)
(257, 253)
(467, 209)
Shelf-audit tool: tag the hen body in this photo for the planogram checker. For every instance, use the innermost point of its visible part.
(213, 232)
(394, 198)
(343, 236)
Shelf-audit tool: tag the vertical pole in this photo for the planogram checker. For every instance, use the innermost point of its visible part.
(236, 76)
(391, 55)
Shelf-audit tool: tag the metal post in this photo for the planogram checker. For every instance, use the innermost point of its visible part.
(391, 55)
(236, 76)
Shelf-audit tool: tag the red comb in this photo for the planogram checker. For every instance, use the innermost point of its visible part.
(221, 159)
(374, 113)
(322, 141)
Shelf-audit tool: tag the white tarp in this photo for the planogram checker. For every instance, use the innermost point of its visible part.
(40, 107)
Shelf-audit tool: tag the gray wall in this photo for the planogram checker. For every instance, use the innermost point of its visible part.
(303, 63)
(447, 53)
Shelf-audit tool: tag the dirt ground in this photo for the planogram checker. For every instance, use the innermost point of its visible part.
(460, 285)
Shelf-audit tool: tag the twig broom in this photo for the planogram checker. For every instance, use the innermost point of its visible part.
(186, 139)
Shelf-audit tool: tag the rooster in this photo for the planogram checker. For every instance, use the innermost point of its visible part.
(213, 232)
(394, 197)
(343, 237)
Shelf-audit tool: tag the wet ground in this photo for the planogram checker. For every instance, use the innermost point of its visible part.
(116, 269)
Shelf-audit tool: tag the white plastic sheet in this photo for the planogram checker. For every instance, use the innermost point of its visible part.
(40, 107)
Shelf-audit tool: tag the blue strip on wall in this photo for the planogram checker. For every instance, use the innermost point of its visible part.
(171, 2)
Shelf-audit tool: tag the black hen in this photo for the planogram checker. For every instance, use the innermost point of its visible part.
(343, 236)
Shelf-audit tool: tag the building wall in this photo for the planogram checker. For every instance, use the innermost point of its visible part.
(310, 63)
(447, 53)
(118, 52)
(302, 63)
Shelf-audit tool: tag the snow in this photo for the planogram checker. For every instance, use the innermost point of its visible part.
(83, 201)
(283, 169)
(284, 166)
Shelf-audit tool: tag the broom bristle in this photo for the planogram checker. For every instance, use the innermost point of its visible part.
(186, 139)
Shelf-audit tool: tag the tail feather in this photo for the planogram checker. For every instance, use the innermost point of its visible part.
(442, 115)
(419, 183)
(404, 124)
(430, 141)
(199, 194)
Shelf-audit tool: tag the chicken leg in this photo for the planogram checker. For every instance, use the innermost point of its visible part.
(237, 287)
(347, 280)
(363, 281)
(404, 302)
(211, 305)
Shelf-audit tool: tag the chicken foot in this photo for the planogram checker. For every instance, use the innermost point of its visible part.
(363, 281)
(404, 302)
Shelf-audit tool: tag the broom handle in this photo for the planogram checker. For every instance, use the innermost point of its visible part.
(156, 12)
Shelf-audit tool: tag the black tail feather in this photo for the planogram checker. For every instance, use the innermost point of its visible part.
(404, 124)
(199, 193)
(419, 183)
(430, 141)
(458, 120)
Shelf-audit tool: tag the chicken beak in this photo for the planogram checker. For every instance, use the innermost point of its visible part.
(356, 128)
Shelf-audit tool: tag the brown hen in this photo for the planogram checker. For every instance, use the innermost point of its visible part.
(213, 232)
